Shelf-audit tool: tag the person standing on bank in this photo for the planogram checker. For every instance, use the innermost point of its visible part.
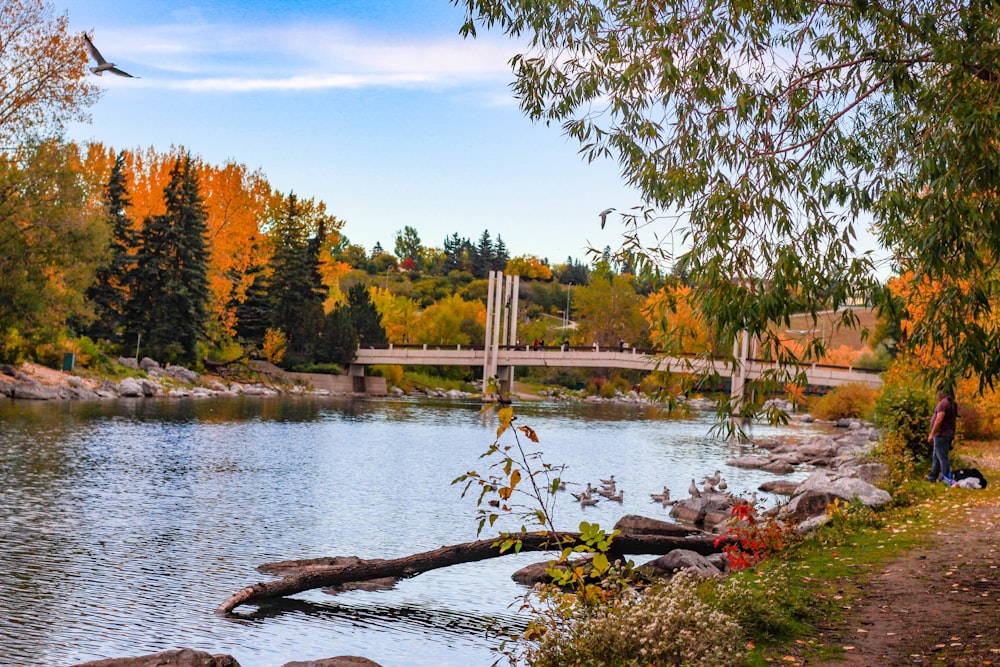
(942, 432)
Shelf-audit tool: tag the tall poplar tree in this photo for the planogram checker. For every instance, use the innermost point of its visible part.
(108, 293)
(169, 286)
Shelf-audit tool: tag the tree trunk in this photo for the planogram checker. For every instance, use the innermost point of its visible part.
(309, 574)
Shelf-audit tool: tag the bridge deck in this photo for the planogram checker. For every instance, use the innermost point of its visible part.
(630, 358)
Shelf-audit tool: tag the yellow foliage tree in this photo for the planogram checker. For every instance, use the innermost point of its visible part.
(529, 267)
(451, 321)
(398, 314)
(675, 325)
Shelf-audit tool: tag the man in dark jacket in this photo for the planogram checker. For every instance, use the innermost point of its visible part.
(942, 432)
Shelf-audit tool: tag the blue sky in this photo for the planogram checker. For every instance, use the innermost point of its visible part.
(380, 109)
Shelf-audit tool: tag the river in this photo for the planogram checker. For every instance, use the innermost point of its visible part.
(124, 524)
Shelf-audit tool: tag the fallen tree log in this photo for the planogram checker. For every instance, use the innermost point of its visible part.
(312, 576)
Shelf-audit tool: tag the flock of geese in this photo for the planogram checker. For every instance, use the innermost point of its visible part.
(714, 483)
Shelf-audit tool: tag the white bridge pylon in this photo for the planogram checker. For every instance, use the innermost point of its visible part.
(501, 327)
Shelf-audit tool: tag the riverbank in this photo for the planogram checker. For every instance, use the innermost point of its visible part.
(934, 600)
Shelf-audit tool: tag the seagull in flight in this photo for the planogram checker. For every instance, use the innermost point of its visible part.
(604, 216)
(102, 64)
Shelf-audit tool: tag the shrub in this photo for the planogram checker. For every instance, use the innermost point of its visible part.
(13, 346)
(393, 374)
(848, 400)
(905, 412)
(760, 600)
(663, 625)
(275, 343)
(897, 454)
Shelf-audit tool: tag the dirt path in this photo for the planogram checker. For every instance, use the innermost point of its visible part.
(939, 604)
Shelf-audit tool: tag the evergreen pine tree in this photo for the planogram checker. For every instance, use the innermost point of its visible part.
(500, 255)
(295, 288)
(169, 285)
(108, 293)
(339, 342)
(484, 257)
(254, 314)
(365, 317)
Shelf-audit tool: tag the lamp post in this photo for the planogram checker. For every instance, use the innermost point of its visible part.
(566, 312)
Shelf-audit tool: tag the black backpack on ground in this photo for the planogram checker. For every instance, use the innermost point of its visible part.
(963, 473)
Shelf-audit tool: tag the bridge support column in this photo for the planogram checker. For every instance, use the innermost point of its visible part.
(506, 375)
(501, 327)
(357, 374)
(741, 357)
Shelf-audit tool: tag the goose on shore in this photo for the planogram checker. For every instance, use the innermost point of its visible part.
(713, 480)
(693, 490)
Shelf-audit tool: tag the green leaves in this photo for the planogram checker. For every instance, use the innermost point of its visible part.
(769, 132)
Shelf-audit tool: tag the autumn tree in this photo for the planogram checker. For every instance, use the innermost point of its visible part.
(43, 80)
(169, 286)
(50, 244)
(108, 294)
(453, 321)
(409, 247)
(236, 204)
(676, 327)
(764, 134)
(607, 311)
(397, 314)
(529, 267)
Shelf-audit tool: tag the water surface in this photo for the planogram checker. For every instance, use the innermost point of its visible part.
(124, 524)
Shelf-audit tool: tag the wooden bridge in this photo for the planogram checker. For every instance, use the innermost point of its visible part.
(509, 357)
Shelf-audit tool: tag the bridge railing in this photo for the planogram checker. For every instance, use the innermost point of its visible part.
(653, 352)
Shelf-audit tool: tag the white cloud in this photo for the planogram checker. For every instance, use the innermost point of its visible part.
(231, 58)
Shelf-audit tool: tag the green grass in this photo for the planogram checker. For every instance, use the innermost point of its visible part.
(424, 381)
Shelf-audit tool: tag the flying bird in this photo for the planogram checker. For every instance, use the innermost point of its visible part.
(604, 216)
(102, 64)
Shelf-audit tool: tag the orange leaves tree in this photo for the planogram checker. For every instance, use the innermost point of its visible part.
(43, 78)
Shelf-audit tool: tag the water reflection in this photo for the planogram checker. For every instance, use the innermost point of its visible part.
(124, 524)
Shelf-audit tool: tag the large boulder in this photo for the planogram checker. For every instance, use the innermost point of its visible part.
(781, 487)
(182, 374)
(33, 391)
(340, 661)
(750, 462)
(128, 362)
(846, 488)
(150, 388)
(634, 524)
(147, 364)
(184, 657)
(808, 505)
(678, 560)
(707, 509)
(129, 388)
